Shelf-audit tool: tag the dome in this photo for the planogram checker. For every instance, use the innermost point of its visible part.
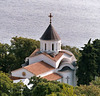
(50, 34)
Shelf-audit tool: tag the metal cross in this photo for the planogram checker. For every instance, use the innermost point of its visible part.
(50, 17)
(67, 78)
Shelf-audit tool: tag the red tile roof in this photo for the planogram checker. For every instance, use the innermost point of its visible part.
(38, 68)
(44, 53)
(53, 76)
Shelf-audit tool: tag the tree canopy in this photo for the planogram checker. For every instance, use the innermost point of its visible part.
(12, 56)
(43, 87)
(88, 62)
(8, 88)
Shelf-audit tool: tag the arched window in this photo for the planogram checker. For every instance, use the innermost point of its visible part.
(45, 46)
(53, 47)
(65, 68)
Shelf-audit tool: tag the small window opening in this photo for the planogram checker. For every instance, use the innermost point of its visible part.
(53, 47)
(45, 47)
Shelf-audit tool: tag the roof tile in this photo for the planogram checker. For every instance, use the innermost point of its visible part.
(39, 68)
(53, 76)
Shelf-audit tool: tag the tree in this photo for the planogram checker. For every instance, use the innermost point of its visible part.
(8, 88)
(87, 67)
(17, 89)
(5, 84)
(43, 87)
(96, 82)
(21, 48)
(96, 45)
(12, 57)
(7, 60)
(87, 90)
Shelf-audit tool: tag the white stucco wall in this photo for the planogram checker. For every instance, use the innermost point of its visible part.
(18, 73)
(70, 74)
(42, 57)
(57, 45)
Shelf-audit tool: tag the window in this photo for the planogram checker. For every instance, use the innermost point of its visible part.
(45, 47)
(23, 73)
(53, 47)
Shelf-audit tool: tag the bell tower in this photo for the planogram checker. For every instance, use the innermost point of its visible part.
(50, 41)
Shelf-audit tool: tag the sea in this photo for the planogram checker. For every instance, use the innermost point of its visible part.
(76, 21)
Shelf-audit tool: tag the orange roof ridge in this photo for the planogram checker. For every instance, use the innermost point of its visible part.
(44, 53)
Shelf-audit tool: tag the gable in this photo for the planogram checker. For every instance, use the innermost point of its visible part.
(21, 72)
(42, 57)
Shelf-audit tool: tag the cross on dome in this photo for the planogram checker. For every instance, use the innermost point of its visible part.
(50, 17)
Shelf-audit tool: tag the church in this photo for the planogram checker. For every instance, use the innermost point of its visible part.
(50, 61)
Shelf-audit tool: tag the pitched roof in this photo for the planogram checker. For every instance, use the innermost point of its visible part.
(38, 68)
(53, 76)
(53, 58)
(50, 34)
(34, 52)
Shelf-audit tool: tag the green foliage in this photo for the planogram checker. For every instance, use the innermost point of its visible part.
(45, 88)
(57, 94)
(90, 90)
(8, 88)
(96, 82)
(17, 89)
(12, 56)
(42, 87)
(87, 66)
(21, 48)
(5, 57)
(96, 45)
(74, 50)
(5, 84)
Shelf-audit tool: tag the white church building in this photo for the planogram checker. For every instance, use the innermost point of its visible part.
(50, 61)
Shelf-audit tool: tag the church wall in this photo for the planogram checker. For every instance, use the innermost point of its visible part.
(18, 73)
(57, 45)
(42, 58)
(68, 74)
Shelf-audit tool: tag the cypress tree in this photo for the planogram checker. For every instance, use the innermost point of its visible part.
(87, 67)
